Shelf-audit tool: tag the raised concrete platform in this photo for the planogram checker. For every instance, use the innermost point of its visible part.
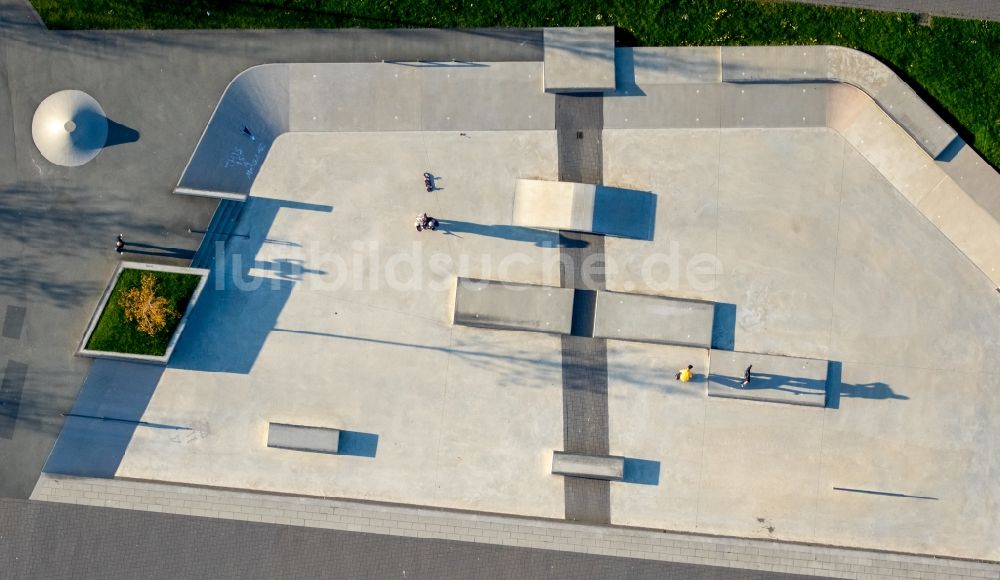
(579, 60)
(660, 319)
(774, 379)
(583, 207)
(605, 467)
(301, 438)
(511, 306)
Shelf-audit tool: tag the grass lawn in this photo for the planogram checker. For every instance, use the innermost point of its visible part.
(115, 334)
(955, 64)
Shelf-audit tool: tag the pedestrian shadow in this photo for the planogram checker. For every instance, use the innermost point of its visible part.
(175, 253)
(832, 385)
(158, 251)
(540, 238)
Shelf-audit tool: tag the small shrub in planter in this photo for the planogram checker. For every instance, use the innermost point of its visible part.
(142, 312)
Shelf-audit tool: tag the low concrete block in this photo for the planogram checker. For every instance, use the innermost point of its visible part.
(775, 379)
(583, 207)
(511, 306)
(301, 438)
(654, 319)
(606, 467)
(579, 59)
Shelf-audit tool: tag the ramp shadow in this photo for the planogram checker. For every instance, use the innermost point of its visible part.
(238, 309)
(641, 471)
(724, 327)
(625, 213)
(107, 412)
(357, 443)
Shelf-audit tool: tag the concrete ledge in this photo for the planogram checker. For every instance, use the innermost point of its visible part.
(579, 60)
(606, 467)
(82, 349)
(511, 306)
(301, 438)
(763, 64)
(774, 379)
(206, 193)
(659, 319)
(584, 207)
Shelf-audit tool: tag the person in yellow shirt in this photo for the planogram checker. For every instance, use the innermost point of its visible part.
(685, 375)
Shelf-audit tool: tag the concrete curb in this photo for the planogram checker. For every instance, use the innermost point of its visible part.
(106, 295)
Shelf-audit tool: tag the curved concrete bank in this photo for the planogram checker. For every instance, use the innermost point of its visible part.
(834, 87)
(273, 99)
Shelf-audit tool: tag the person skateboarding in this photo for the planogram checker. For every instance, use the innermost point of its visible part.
(684, 375)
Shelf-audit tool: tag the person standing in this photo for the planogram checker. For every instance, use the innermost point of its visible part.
(685, 375)
(120, 244)
(746, 377)
(425, 222)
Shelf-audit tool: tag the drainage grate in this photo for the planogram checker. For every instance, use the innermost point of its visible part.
(14, 322)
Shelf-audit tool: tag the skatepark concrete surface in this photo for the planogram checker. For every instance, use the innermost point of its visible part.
(806, 208)
(829, 263)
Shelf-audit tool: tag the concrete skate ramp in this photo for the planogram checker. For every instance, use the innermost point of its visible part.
(604, 467)
(769, 64)
(510, 306)
(658, 319)
(773, 379)
(833, 87)
(702, 77)
(227, 158)
(270, 100)
(583, 207)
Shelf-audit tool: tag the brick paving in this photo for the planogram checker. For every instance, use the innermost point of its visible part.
(49, 541)
(965, 9)
(579, 121)
(424, 523)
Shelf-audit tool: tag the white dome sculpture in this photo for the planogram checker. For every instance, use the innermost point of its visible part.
(69, 128)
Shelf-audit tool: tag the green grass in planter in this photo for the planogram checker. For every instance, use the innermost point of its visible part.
(115, 334)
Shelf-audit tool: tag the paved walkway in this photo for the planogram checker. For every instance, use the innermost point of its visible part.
(968, 9)
(412, 522)
(69, 541)
(579, 120)
(50, 540)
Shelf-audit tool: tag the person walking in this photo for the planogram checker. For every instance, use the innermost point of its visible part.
(746, 377)
(120, 244)
(685, 375)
